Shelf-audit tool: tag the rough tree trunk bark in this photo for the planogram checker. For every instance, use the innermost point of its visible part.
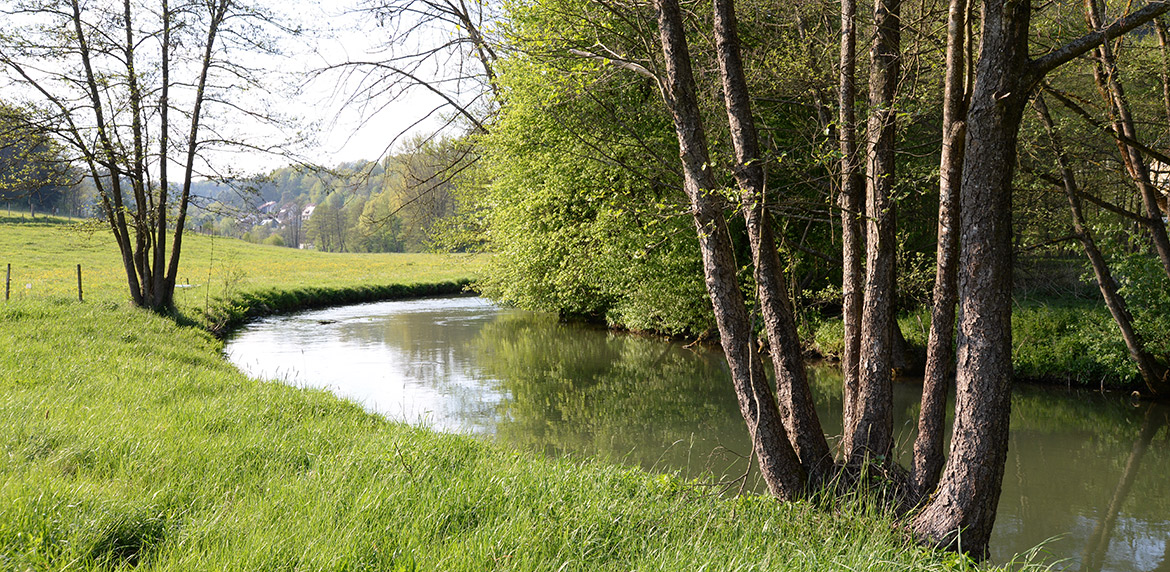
(873, 433)
(795, 397)
(928, 446)
(777, 460)
(850, 201)
(961, 513)
(969, 491)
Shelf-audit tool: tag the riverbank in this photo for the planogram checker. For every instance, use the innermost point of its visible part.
(129, 441)
(1065, 341)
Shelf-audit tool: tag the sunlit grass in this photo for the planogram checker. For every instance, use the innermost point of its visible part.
(214, 271)
(127, 441)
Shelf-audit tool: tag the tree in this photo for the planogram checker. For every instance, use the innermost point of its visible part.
(928, 445)
(1151, 371)
(132, 87)
(871, 432)
(778, 461)
(850, 201)
(32, 170)
(961, 513)
(792, 389)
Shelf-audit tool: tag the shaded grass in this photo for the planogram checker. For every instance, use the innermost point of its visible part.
(1067, 341)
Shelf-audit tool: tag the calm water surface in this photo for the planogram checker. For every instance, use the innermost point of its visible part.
(1087, 475)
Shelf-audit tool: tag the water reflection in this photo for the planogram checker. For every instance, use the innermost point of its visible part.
(1087, 468)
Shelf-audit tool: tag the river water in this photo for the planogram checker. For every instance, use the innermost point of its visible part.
(1087, 477)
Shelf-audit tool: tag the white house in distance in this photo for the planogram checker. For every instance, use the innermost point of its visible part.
(307, 213)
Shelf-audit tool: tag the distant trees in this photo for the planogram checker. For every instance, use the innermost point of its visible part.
(33, 172)
(128, 89)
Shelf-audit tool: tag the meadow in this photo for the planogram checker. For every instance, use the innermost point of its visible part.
(127, 442)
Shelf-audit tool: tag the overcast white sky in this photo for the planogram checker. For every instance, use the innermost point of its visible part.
(345, 132)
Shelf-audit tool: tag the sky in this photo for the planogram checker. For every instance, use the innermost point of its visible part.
(319, 109)
(346, 130)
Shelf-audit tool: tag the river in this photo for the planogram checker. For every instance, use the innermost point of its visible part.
(1086, 473)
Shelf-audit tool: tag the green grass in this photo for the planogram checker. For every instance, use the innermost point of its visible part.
(126, 441)
(1067, 341)
(221, 280)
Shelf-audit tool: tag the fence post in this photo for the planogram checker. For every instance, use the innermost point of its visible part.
(79, 298)
(8, 283)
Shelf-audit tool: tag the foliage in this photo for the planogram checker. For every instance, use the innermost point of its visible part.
(33, 172)
(580, 212)
(390, 205)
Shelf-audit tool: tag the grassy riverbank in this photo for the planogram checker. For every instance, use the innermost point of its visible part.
(127, 441)
(1069, 341)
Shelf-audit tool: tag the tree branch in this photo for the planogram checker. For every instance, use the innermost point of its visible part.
(1054, 59)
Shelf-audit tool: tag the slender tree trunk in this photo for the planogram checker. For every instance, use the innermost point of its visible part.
(160, 241)
(1112, 90)
(969, 490)
(1151, 372)
(1164, 74)
(137, 166)
(928, 446)
(217, 11)
(115, 211)
(851, 202)
(795, 397)
(770, 443)
(873, 434)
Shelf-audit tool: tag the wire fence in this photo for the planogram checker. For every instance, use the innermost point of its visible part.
(51, 282)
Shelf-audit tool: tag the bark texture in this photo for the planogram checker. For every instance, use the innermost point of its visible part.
(770, 442)
(961, 513)
(872, 435)
(850, 201)
(792, 389)
(928, 446)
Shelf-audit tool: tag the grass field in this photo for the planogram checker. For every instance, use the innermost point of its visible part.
(126, 441)
(216, 275)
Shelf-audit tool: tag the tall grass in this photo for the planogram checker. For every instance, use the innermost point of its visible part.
(127, 441)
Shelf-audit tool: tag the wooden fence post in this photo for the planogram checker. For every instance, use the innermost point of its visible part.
(79, 298)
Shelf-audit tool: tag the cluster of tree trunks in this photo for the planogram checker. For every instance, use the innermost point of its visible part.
(981, 122)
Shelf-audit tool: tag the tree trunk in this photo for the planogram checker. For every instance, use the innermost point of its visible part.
(1164, 44)
(928, 446)
(969, 490)
(1151, 372)
(850, 201)
(218, 10)
(777, 460)
(874, 421)
(795, 397)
